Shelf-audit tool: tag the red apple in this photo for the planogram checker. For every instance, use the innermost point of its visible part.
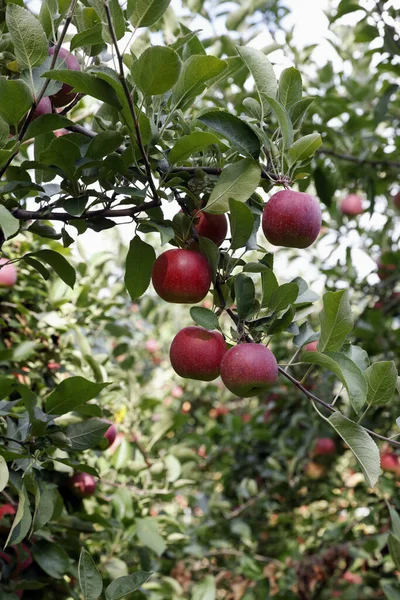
(324, 446)
(111, 433)
(53, 366)
(353, 578)
(196, 353)
(7, 509)
(351, 205)
(292, 219)
(311, 347)
(396, 200)
(82, 485)
(213, 227)
(24, 558)
(249, 369)
(8, 274)
(43, 108)
(385, 270)
(181, 276)
(390, 462)
(64, 96)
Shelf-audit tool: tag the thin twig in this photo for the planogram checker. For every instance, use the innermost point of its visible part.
(358, 160)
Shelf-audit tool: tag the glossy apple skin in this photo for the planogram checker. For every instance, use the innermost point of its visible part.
(351, 205)
(390, 462)
(8, 274)
(181, 276)
(82, 485)
(64, 96)
(111, 433)
(292, 219)
(311, 347)
(324, 446)
(213, 227)
(249, 369)
(196, 353)
(43, 108)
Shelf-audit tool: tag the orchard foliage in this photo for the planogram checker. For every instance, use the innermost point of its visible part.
(118, 476)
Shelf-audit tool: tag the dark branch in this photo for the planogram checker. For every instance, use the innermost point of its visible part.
(358, 160)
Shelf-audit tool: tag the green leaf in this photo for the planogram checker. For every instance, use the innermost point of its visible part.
(45, 124)
(4, 132)
(22, 520)
(238, 181)
(4, 473)
(27, 35)
(336, 320)
(103, 144)
(290, 87)
(149, 535)
(234, 129)
(70, 393)
(86, 83)
(8, 223)
(395, 518)
(283, 296)
(245, 296)
(346, 370)
(88, 37)
(144, 13)
(123, 586)
(34, 77)
(360, 443)
(304, 147)
(394, 549)
(191, 144)
(156, 70)
(306, 335)
(87, 434)
(285, 124)
(37, 266)
(205, 590)
(298, 111)
(204, 317)
(211, 252)
(283, 322)
(89, 577)
(357, 355)
(63, 153)
(382, 379)
(117, 18)
(242, 221)
(16, 99)
(139, 265)
(52, 558)
(57, 262)
(45, 504)
(269, 285)
(196, 71)
(261, 70)
(390, 592)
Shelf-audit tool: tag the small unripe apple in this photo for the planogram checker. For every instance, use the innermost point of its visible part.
(181, 276)
(82, 485)
(311, 347)
(249, 369)
(64, 96)
(213, 227)
(8, 274)
(351, 205)
(196, 353)
(43, 108)
(390, 462)
(324, 446)
(314, 470)
(396, 200)
(111, 433)
(292, 219)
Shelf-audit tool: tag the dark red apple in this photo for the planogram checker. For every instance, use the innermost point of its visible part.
(82, 485)
(64, 96)
(390, 462)
(43, 108)
(351, 205)
(181, 276)
(8, 274)
(213, 227)
(249, 369)
(292, 219)
(196, 353)
(111, 433)
(396, 200)
(311, 347)
(324, 446)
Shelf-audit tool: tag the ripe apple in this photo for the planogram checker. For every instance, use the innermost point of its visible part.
(64, 96)
(249, 369)
(43, 108)
(111, 433)
(292, 219)
(82, 485)
(385, 270)
(181, 276)
(396, 200)
(311, 347)
(351, 205)
(8, 274)
(390, 462)
(196, 353)
(213, 227)
(324, 446)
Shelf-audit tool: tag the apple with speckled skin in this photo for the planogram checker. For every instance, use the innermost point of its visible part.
(8, 273)
(351, 205)
(249, 369)
(64, 96)
(181, 276)
(292, 219)
(82, 485)
(196, 353)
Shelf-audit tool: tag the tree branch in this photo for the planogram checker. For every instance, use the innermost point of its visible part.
(358, 160)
